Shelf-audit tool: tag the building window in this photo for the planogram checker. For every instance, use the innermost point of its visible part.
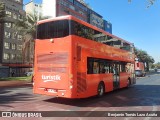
(19, 37)
(81, 12)
(14, 35)
(6, 56)
(65, 4)
(9, 25)
(19, 47)
(8, 13)
(71, 7)
(71, 1)
(18, 0)
(19, 57)
(13, 46)
(13, 56)
(80, 5)
(7, 45)
(7, 34)
(14, 15)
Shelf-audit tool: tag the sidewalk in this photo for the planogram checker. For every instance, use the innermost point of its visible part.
(14, 83)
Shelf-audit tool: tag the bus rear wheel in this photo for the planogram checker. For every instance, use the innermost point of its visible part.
(100, 89)
(128, 82)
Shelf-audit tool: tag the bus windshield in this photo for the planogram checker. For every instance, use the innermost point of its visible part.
(53, 29)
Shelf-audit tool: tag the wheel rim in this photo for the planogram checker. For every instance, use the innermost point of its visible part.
(100, 90)
(128, 83)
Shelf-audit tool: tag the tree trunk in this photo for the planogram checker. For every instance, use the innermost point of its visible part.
(147, 66)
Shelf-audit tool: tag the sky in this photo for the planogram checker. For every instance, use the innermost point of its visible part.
(133, 22)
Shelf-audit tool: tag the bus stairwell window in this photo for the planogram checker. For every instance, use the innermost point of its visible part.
(78, 53)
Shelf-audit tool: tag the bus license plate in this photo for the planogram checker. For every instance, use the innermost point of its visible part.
(51, 90)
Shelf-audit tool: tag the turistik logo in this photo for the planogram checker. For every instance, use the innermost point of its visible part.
(51, 78)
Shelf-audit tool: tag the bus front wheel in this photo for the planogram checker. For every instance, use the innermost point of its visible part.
(101, 89)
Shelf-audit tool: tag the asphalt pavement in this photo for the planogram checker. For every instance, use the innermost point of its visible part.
(29, 83)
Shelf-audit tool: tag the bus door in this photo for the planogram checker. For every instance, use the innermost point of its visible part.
(116, 77)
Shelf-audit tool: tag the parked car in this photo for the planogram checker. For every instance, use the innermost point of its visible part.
(28, 73)
(158, 70)
(140, 73)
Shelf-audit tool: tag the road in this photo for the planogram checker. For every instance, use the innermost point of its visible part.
(144, 96)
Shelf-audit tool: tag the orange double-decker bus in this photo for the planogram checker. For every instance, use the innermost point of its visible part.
(74, 59)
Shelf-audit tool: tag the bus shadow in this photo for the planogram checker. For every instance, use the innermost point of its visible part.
(8, 96)
(138, 95)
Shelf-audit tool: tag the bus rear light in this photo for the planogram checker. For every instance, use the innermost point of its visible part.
(45, 89)
(62, 94)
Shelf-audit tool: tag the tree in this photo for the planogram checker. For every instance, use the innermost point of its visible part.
(150, 2)
(157, 65)
(27, 27)
(144, 57)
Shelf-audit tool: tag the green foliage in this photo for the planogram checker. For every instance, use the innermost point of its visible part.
(144, 57)
(152, 66)
(157, 65)
(16, 78)
(27, 25)
(150, 2)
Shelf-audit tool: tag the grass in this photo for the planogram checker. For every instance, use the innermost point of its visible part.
(28, 78)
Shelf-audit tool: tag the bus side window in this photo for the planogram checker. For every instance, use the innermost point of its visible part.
(123, 68)
(89, 66)
(95, 67)
(102, 70)
(115, 69)
(106, 69)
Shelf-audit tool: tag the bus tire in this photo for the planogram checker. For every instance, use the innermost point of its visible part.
(128, 82)
(101, 89)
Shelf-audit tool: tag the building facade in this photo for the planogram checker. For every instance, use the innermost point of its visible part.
(54, 8)
(33, 9)
(10, 40)
(77, 8)
(107, 26)
(95, 19)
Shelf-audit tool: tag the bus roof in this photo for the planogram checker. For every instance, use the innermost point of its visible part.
(84, 23)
